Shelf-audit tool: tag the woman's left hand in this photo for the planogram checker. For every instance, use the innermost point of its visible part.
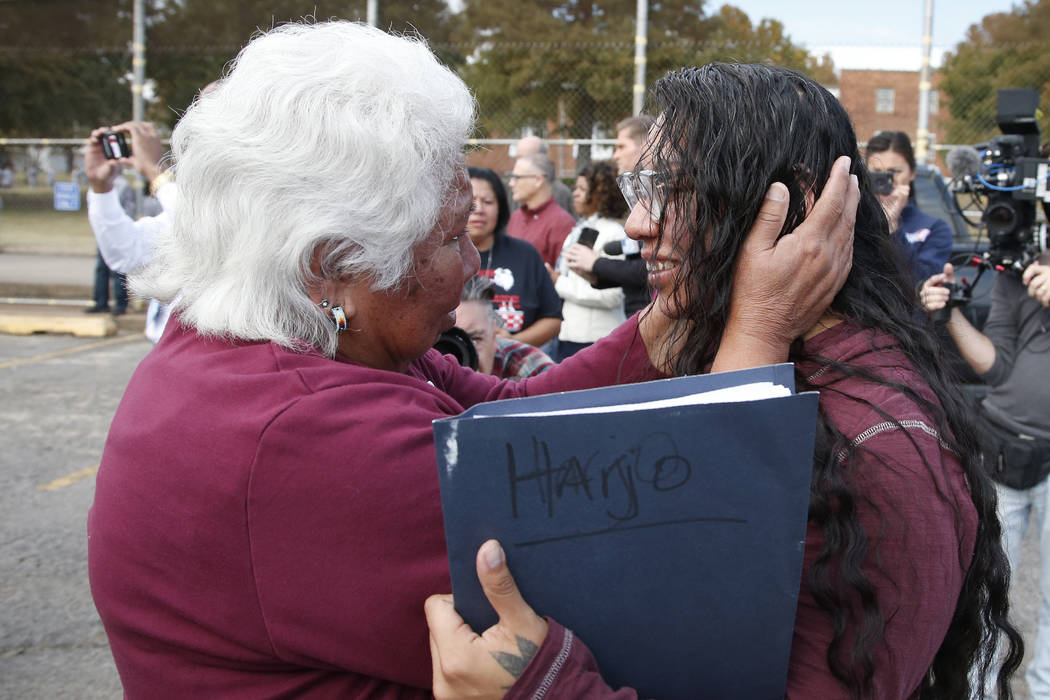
(784, 284)
(893, 204)
(468, 665)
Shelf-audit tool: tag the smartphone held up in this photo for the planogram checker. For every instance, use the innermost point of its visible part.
(115, 145)
(588, 236)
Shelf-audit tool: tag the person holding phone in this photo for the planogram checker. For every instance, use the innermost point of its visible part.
(588, 313)
(124, 243)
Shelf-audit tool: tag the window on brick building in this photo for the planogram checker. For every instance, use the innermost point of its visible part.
(884, 100)
(935, 101)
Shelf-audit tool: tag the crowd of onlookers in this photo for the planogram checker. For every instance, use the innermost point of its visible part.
(561, 270)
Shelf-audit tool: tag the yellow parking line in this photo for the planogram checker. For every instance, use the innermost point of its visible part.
(70, 351)
(68, 479)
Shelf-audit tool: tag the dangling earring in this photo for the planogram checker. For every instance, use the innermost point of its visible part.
(338, 315)
(340, 319)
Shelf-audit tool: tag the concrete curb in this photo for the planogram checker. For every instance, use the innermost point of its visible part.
(98, 326)
(54, 316)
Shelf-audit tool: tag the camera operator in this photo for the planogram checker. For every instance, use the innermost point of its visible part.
(124, 243)
(1012, 356)
(499, 356)
(925, 240)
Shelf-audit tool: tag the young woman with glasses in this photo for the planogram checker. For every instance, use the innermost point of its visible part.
(904, 584)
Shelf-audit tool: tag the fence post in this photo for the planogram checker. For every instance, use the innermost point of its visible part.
(922, 133)
(641, 31)
(138, 66)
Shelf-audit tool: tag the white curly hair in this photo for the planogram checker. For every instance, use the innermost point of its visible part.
(333, 137)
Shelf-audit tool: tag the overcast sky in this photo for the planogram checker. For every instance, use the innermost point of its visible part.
(885, 34)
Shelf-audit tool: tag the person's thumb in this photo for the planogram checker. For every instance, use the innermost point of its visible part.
(949, 273)
(499, 586)
(771, 217)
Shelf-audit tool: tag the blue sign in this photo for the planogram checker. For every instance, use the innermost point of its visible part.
(67, 196)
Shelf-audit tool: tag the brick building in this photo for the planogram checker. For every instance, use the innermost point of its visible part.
(878, 100)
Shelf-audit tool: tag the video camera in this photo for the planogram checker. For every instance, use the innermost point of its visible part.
(1009, 174)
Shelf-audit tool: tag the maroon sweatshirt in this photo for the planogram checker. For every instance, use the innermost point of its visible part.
(268, 523)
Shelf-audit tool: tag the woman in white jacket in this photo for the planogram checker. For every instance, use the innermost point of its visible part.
(588, 313)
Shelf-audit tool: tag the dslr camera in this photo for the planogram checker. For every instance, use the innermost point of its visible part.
(115, 145)
(456, 342)
(881, 182)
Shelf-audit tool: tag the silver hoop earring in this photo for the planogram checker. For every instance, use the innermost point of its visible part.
(324, 304)
(340, 319)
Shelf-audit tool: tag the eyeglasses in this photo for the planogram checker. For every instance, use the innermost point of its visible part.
(646, 186)
(517, 176)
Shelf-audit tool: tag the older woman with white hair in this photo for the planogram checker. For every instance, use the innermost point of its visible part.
(267, 519)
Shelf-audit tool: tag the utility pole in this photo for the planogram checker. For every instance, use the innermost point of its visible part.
(641, 30)
(372, 13)
(138, 59)
(922, 150)
(138, 80)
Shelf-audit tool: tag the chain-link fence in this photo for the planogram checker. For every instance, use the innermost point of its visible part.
(572, 94)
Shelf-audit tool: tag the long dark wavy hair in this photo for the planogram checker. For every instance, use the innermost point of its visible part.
(604, 193)
(728, 131)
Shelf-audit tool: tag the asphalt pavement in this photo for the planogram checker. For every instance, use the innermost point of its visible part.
(58, 393)
(61, 378)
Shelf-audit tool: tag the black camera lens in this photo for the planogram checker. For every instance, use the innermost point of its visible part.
(882, 182)
(457, 343)
(1001, 218)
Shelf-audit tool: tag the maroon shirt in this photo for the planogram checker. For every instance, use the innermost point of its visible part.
(911, 529)
(546, 227)
(268, 523)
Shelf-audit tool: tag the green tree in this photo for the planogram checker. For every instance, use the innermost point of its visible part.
(1006, 50)
(564, 67)
(64, 64)
(191, 41)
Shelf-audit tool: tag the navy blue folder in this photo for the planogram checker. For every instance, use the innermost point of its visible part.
(669, 540)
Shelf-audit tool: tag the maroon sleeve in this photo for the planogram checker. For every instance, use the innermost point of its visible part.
(564, 668)
(618, 358)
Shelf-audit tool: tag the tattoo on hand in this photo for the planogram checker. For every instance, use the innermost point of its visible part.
(515, 665)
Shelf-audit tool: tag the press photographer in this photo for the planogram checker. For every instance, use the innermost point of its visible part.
(1012, 355)
(475, 342)
(925, 240)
